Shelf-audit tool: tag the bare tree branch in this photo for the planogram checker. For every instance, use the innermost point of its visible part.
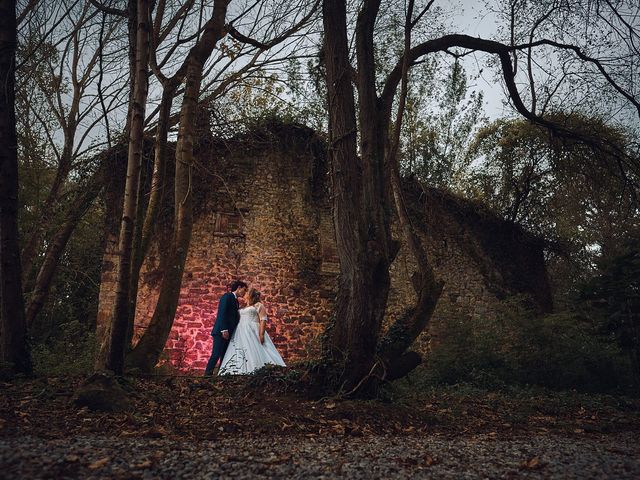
(108, 10)
(280, 38)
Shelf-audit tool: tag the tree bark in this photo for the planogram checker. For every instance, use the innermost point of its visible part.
(113, 199)
(362, 231)
(104, 320)
(114, 358)
(147, 352)
(14, 347)
(406, 329)
(155, 199)
(363, 209)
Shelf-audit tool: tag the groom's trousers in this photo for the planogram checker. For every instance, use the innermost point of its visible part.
(219, 349)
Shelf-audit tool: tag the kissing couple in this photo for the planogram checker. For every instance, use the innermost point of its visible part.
(240, 339)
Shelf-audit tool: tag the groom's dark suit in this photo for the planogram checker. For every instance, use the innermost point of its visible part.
(227, 319)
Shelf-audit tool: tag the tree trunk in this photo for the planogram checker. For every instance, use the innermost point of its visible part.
(362, 231)
(114, 358)
(155, 198)
(104, 318)
(58, 242)
(35, 240)
(113, 197)
(132, 291)
(406, 329)
(14, 347)
(363, 210)
(147, 352)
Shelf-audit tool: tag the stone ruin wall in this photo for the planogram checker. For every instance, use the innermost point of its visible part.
(482, 260)
(260, 219)
(465, 291)
(263, 216)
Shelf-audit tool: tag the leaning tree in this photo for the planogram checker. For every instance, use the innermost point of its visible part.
(365, 116)
(63, 107)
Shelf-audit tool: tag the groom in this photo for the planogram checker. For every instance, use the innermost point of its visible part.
(226, 323)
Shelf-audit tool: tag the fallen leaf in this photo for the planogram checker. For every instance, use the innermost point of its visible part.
(338, 428)
(141, 465)
(533, 463)
(71, 458)
(99, 463)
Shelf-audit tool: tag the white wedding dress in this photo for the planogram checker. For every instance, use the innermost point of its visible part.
(245, 354)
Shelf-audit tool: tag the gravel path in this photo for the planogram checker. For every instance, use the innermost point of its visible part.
(615, 456)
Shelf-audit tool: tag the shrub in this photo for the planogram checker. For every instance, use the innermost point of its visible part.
(558, 351)
(70, 352)
(612, 298)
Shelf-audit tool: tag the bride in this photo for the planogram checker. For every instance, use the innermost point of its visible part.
(250, 347)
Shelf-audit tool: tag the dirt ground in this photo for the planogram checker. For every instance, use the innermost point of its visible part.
(239, 428)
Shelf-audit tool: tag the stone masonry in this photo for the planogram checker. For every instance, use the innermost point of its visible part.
(261, 217)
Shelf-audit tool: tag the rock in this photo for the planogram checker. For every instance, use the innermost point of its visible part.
(102, 393)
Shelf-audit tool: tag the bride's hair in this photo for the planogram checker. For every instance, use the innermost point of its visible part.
(254, 296)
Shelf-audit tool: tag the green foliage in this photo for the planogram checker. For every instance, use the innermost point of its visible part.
(593, 347)
(558, 188)
(442, 114)
(578, 198)
(516, 403)
(580, 190)
(559, 351)
(613, 298)
(260, 99)
(70, 351)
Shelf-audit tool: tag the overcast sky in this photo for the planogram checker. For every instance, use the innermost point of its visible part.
(476, 22)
